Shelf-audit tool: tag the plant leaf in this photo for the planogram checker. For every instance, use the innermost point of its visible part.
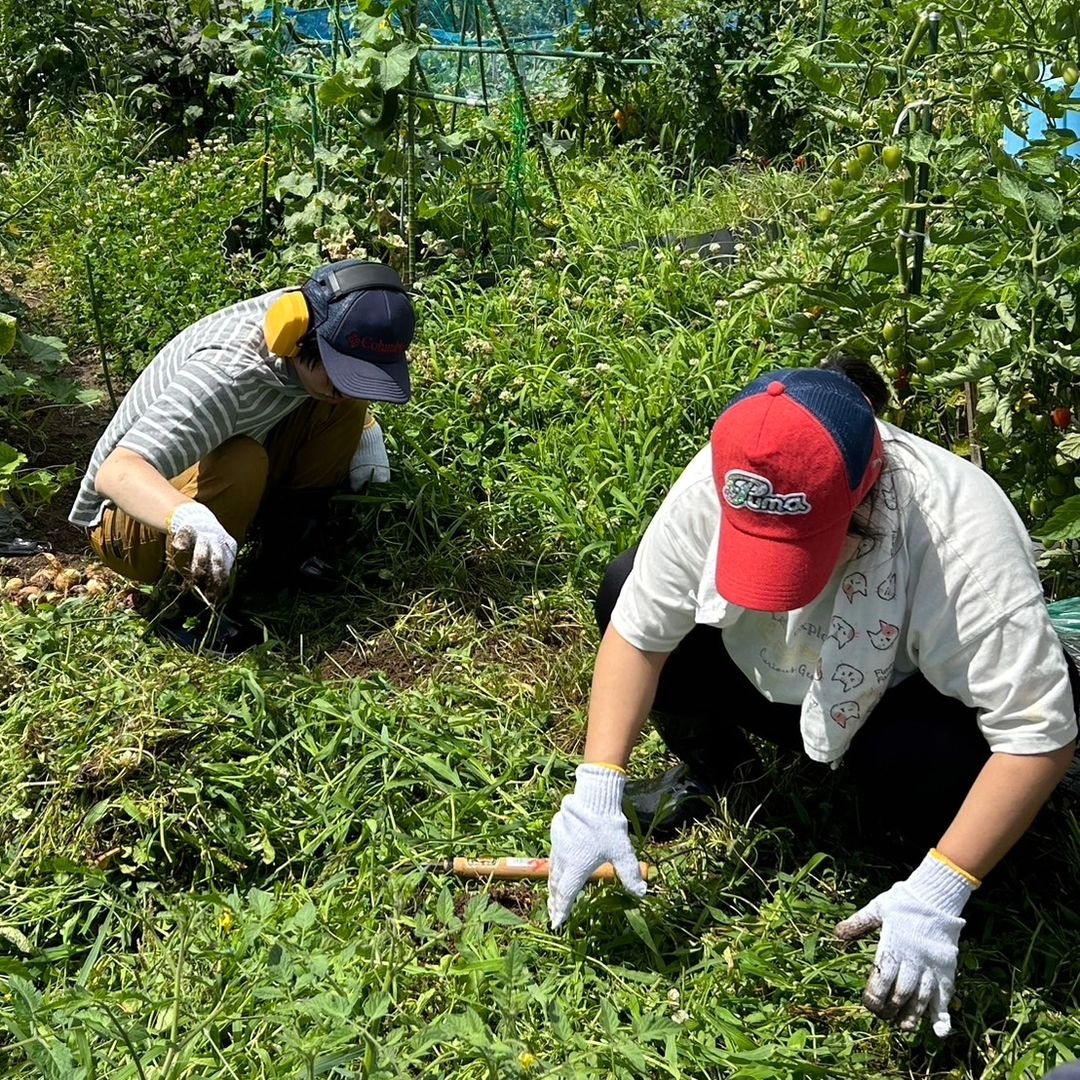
(396, 64)
(1064, 522)
(7, 333)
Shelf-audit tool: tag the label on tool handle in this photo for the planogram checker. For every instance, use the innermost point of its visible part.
(518, 869)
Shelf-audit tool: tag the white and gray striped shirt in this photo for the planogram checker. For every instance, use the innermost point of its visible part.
(214, 380)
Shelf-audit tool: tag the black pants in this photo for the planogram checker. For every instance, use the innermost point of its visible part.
(912, 762)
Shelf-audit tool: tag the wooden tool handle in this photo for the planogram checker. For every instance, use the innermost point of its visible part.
(509, 869)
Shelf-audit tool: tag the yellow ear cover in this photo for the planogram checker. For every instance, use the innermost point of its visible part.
(286, 323)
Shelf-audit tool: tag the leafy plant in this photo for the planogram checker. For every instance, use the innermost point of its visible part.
(30, 367)
(154, 56)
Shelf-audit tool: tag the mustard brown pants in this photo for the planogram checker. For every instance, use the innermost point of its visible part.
(308, 450)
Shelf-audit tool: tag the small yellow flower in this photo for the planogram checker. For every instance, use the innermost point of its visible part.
(526, 1060)
(226, 920)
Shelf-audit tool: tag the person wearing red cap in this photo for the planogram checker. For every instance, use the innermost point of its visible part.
(255, 414)
(840, 586)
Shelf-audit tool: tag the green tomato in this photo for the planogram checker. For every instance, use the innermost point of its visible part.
(836, 187)
(854, 169)
(925, 365)
(1037, 505)
(824, 215)
(1039, 422)
(1058, 485)
(1070, 73)
(866, 153)
(1033, 70)
(999, 72)
(891, 331)
(892, 157)
(894, 352)
(836, 167)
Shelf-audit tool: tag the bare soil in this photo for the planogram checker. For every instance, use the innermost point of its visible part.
(349, 661)
(56, 436)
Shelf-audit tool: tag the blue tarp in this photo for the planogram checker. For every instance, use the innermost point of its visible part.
(1038, 123)
(530, 24)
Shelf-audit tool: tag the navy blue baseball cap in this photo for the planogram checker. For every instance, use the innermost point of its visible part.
(364, 322)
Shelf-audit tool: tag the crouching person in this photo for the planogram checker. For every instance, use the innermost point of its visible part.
(257, 413)
(835, 585)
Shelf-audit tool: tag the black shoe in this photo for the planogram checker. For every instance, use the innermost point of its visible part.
(316, 575)
(212, 632)
(665, 804)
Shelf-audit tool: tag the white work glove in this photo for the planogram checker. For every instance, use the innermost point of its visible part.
(196, 532)
(370, 464)
(589, 830)
(915, 963)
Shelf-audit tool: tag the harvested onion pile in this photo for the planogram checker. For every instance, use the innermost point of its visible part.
(54, 582)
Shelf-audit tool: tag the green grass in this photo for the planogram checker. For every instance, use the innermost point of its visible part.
(213, 869)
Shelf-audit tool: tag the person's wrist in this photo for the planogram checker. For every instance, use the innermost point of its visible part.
(613, 765)
(600, 787)
(192, 513)
(941, 884)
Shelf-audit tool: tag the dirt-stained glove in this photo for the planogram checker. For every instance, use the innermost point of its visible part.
(207, 548)
(589, 830)
(371, 463)
(920, 925)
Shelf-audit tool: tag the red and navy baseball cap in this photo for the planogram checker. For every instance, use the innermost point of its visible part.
(793, 455)
(364, 322)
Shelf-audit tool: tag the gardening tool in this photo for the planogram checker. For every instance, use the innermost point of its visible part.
(510, 869)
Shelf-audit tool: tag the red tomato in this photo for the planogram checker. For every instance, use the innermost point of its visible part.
(1062, 416)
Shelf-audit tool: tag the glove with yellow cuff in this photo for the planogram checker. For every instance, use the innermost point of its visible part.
(589, 830)
(915, 963)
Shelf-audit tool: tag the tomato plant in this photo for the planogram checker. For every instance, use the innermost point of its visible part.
(956, 258)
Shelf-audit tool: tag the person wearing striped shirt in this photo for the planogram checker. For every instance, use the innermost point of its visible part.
(259, 409)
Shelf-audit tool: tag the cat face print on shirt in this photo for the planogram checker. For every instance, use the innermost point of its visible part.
(843, 712)
(887, 589)
(854, 585)
(840, 631)
(884, 637)
(848, 677)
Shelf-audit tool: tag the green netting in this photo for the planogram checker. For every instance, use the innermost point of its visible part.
(1065, 617)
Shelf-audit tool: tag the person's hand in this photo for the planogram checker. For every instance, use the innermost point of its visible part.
(370, 463)
(589, 830)
(920, 925)
(208, 551)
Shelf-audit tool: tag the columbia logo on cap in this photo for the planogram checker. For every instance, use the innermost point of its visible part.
(361, 341)
(748, 491)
